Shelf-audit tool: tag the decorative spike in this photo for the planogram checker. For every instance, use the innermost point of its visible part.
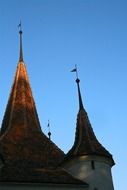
(49, 133)
(79, 94)
(21, 50)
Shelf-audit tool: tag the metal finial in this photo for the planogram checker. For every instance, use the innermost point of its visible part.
(79, 93)
(49, 133)
(20, 27)
(21, 50)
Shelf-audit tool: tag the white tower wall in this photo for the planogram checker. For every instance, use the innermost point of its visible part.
(94, 170)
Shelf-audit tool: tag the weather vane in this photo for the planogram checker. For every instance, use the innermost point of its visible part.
(76, 71)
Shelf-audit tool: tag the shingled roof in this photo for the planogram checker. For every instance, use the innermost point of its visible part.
(22, 141)
(85, 142)
(38, 175)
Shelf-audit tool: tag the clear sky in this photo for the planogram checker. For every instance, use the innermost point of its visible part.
(57, 34)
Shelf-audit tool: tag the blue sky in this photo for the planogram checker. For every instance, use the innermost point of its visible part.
(57, 34)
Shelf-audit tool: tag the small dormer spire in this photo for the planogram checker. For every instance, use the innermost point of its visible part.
(49, 132)
(21, 50)
(78, 86)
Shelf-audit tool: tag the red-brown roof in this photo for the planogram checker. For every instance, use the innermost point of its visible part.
(20, 110)
(22, 140)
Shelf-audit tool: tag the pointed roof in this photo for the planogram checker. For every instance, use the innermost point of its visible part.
(85, 142)
(20, 110)
(21, 138)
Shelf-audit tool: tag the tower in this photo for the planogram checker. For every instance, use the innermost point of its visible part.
(88, 160)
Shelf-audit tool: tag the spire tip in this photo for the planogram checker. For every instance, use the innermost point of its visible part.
(79, 93)
(21, 50)
(20, 27)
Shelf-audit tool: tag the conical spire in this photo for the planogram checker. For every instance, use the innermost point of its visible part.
(85, 142)
(21, 110)
(21, 137)
(21, 49)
